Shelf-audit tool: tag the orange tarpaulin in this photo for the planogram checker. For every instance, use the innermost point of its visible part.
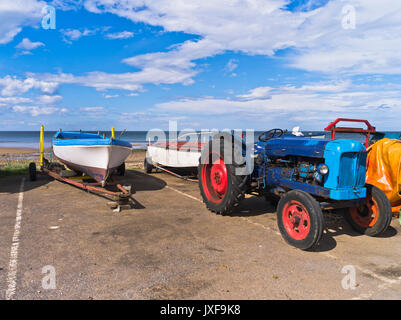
(383, 169)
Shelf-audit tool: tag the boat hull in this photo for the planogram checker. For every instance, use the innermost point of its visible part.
(174, 157)
(98, 161)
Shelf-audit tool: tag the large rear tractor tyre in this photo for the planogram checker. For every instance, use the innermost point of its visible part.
(222, 182)
(300, 219)
(32, 171)
(373, 218)
(148, 167)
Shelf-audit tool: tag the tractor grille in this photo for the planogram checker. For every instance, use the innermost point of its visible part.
(352, 170)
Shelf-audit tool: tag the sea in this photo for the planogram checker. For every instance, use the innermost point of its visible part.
(30, 139)
(138, 139)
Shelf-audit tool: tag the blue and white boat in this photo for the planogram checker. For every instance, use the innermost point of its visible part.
(94, 154)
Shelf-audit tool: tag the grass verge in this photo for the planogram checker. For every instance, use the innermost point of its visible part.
(14, 169)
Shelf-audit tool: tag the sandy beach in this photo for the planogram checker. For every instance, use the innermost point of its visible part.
(7, 151)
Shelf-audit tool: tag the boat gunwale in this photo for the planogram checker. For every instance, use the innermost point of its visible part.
(91, 142)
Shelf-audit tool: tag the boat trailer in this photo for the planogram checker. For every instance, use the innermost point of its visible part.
(186, 178)
(120, 198)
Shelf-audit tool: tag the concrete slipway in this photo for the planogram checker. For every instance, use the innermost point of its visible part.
(170, 247)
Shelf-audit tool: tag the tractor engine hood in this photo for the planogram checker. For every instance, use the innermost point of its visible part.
(306, 147)
(288, 146)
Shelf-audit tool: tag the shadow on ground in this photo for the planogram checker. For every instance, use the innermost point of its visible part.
(138, 180)
(143, 182)
(12, 184)
(336, 225)
(254, 206)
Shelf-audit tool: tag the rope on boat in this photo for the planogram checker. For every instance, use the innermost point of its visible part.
(176, 174)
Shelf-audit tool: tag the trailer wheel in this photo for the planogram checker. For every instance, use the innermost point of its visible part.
(121, 169)
(373, 218)
(220, 186)
(300, 219)
(147, 166)
(32, 171)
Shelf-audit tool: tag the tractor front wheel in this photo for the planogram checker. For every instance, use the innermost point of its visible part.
(300, 219)
(374, 217)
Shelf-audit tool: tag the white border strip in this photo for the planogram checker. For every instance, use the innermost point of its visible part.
(184, 194)
(12, 269)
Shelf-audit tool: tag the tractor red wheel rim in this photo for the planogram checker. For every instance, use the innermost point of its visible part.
(296, 220)
(215, 178)
(367, 217)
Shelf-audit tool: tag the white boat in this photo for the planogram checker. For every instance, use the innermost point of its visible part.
(183, 152)
(90, 153)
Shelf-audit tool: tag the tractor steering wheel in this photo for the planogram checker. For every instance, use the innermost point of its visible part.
(273, 133)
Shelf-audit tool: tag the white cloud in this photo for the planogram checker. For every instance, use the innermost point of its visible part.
(338, 86)
(110, 96)
(23, 53)
(120, 35)
(16, 14)
(280, 102)
(67, 4)
(316, 104)
(70, 35)
(140, 117)
(237, 24)
(92, 109)
(231, 65)
(98, 80)
(27, 44)
(263, 27)
(39, 100)
(372, 47)
(130, 81)
(257, 93)
(35, 111)
(252, 26)
(12, 86)
(14, 100)
(45, 99)
(173, 66)
(35, 105)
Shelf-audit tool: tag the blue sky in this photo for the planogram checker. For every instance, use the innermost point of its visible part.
(138, 64)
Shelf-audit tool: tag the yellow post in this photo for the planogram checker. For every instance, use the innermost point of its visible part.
(42, 145)
(113, 133)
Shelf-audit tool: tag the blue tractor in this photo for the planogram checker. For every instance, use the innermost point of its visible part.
(307, 176)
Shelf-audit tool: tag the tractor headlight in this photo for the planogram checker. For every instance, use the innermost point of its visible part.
(323, 169)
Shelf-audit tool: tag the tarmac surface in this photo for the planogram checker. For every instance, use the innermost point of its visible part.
(171, 247)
